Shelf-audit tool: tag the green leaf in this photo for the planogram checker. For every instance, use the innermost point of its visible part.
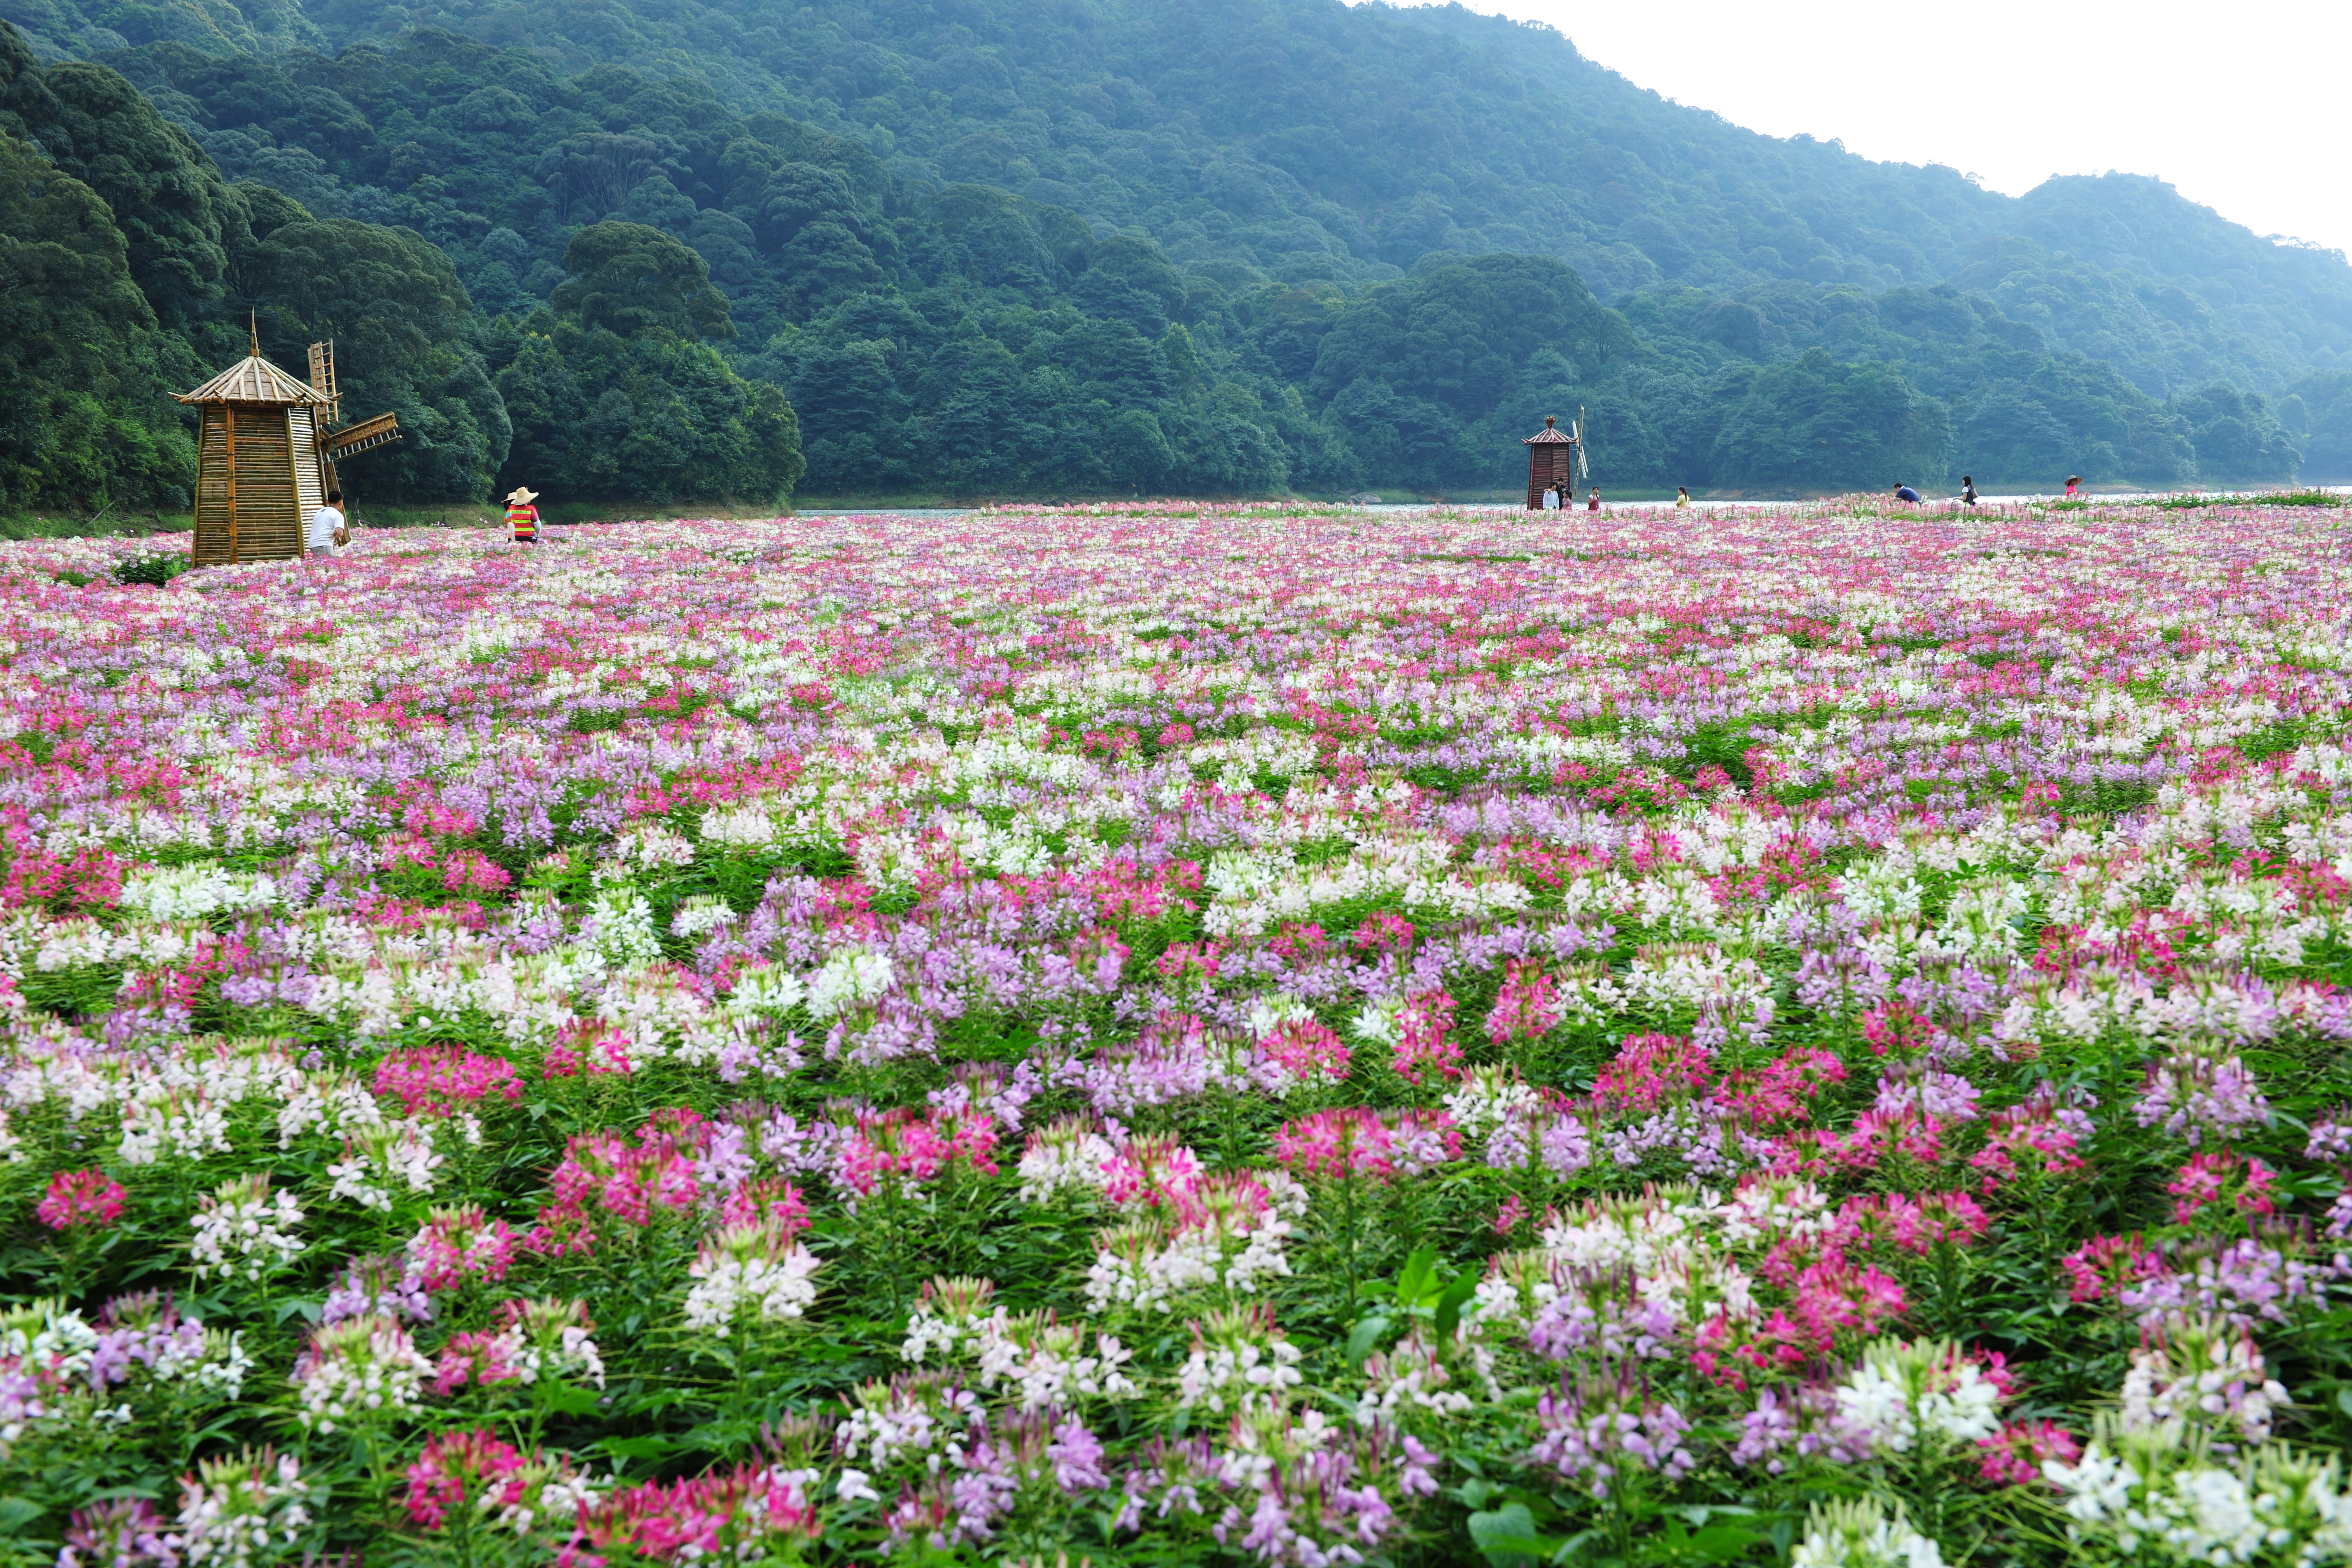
(1414, 1283)
(1449, 1306)
(1364, 1338)
(1507, 1534)
(637, 1448)
(565, 1400)
(17, 1513)
(1723, 1543)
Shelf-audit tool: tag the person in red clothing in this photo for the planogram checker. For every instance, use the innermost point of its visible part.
(1592, 499)
(522, 518)
(2071, 480)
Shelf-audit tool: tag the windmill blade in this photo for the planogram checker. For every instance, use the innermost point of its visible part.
(359, 438)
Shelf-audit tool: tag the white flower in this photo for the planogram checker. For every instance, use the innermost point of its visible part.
(749, 1270)
(1903, 1394)
(235, 1511)
(242, 1232)
(357, 1368)
(848, 981)
(1860, 1535)
(2202, 1369)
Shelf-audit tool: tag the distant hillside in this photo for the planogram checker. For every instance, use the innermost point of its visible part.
(1202, 244)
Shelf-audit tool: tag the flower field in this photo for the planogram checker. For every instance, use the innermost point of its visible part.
(1184, 1034)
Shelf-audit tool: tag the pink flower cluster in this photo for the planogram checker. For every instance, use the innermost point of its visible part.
(436, 1081)
(1358, 1141)
(80, 1199)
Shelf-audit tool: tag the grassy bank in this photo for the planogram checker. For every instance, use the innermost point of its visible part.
(60, 525)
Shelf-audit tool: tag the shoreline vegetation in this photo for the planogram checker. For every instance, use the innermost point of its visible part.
(574, 514)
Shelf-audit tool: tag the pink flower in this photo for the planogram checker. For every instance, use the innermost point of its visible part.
(1782, 1089)
(1421, 1042)
(2014, 1455)
(436, 1080)
(1528, 1007)
(1650, 1069)
(486, 1359)
(1304, 1051)
(455, 1245)
(743, 1513)
(1357, 1140)
(907, 1148)
(2105, 1264)
(456, 1463)
(80, 1198)
(772, 1202)
(2208, 1178)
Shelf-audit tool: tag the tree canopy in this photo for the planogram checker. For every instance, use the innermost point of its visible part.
(1197, 247)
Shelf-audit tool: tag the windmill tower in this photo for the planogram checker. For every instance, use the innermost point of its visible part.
(1554, 457)
(266, 456)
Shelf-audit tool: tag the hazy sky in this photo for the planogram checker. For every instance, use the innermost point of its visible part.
(2241, 106)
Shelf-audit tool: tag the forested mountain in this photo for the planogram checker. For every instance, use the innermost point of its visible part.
(1195, 245)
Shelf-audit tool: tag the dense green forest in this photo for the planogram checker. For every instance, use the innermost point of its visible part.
(686, 250)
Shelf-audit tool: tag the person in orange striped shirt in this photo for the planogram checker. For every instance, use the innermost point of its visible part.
(522, 518)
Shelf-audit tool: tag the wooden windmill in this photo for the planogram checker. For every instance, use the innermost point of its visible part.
(1555, 457)
(266, 455)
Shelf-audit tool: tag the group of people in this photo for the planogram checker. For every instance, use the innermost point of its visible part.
(328, 532)
(1558, 495)
(1968, 491)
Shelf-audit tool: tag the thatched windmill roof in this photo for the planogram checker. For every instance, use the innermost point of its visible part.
(253, 380)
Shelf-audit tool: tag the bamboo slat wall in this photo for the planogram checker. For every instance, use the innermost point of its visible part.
(310, 486)
(248, 505)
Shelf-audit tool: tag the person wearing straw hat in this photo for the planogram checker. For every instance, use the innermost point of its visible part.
(522, 518)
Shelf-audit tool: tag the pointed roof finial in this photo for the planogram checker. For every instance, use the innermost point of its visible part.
(253, 331)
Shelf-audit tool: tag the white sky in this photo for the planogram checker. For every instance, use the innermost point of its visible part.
(2242, 106)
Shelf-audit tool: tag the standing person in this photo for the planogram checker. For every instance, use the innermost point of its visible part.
(1552, 498)
(326, 534)
(2071, 480)
(1592, 499)
(1681, 498)
(522, 518)
(1905, 492)
(1968, 491)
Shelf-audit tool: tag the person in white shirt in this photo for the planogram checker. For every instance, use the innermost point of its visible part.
(1552, 498)
(327, 535)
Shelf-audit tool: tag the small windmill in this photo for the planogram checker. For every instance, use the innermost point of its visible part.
(1555, 457)
(264, 455)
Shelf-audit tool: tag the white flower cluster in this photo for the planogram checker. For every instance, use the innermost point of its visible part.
(909, 1417)
(745, 1271)
(1907, 1396)
(1413, 1377)
(1046, 1360)
(382, 1160)
(2202, 1369)
(1062, 1160)
(2156, 1494)
(1862, 1535)
(1236, 1355)
(948, 1317)
(848, 981)
(196, 891)
(1149, 1273)
(241, 1231)
(357, 1368)
(236, 1512)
